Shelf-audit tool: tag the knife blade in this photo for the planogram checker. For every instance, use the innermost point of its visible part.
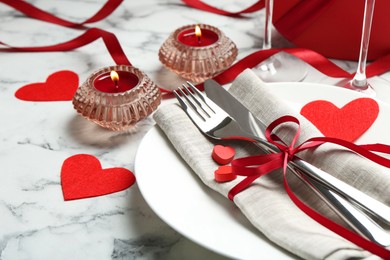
(346, 209)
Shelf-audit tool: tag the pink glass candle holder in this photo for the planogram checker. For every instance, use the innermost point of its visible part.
(117, 97)
(197, 57)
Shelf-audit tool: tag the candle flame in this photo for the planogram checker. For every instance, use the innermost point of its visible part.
(114, 77)
(198, 32)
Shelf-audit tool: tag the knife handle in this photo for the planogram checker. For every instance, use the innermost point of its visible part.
(359, 221)
(350, 213)
(344, 190)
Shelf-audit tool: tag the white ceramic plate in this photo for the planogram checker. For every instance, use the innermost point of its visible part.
(176, 194)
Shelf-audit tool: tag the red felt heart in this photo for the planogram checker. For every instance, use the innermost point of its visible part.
(223, 154)
(348, 122)
(59, 86)
(83, 177)
(224, 173)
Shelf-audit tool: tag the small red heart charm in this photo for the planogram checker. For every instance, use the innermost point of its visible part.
(224, 173)
(59, 86)
(347, 123)
(223, 154)
(82, 176)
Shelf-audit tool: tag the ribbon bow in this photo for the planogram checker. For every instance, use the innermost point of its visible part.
(254, 167)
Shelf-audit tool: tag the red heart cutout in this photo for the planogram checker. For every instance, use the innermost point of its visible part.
(347, 123)
(59, 86)
(82, 176)
(224, 173)
(223, 154)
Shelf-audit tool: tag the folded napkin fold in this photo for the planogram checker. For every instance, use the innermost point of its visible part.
(265, 203)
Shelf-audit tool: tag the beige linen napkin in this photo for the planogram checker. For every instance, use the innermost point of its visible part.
(265, 203)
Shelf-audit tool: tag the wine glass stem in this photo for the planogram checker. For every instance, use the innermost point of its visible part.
(360, 79)
(269, 6)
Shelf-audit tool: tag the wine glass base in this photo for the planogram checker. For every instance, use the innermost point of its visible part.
(379, 87)
(281, 67)
(366, 90)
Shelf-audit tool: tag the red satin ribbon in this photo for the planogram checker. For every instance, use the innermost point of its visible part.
(208, 8)
(254, 167)
(312, 58)
(110, 40)
(34, 12)
(113, 46)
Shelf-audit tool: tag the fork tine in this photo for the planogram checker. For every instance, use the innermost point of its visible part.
(204, 113)
(193, 106)
(199, 101)
(211, 105)
(181, 101)
(186, 102)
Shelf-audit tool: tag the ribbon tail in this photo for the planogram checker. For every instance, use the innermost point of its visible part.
(114, 48)
(382, 148)
(338, 229)
(275, 161)
(359, 149)
(111, 42)
(249, 61)
(36, 13)
(108, 8)
(378, 67)
(319, 62)
(208, 8)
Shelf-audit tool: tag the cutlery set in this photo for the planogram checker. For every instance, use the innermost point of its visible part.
(221, 116)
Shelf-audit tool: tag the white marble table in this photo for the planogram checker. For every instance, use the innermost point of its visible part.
(36, 137)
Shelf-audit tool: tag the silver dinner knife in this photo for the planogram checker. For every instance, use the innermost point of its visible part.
(336, 193)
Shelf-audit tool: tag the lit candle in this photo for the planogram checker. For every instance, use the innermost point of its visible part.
(197, 52)
(117, 97)
(197, 37)
(115, 81)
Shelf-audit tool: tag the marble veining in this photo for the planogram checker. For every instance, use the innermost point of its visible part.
(36, 137)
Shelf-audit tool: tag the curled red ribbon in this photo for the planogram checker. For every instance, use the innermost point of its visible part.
(34, 12)
(91, 35)
(312, 58)
(208, 8)
(254, 167)
(114, 48)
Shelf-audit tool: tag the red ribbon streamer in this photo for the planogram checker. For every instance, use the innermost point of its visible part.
(113, 46)
(34, 12)
(110, 40)
(254, 167)
(208, 8)
(312, 58)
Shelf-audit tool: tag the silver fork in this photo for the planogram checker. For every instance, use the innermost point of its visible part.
(217, 124)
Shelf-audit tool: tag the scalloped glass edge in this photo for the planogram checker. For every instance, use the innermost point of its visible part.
(118, 111)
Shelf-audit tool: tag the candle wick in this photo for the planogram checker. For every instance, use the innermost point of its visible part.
(198, 40)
